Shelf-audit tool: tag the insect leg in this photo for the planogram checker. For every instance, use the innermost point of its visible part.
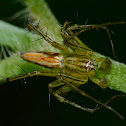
(48, 39)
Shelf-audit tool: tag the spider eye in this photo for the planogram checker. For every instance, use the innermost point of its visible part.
(84, 67)
(92, 69)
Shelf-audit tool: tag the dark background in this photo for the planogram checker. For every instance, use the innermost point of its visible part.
(25, 102)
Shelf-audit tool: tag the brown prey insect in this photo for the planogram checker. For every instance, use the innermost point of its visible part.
(72, 68)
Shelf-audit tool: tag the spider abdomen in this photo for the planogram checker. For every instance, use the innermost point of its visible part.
(46, 59)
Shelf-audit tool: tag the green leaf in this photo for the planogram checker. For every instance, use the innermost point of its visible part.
(14, 40)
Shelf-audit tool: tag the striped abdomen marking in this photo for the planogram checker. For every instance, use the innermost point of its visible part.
(46, 59)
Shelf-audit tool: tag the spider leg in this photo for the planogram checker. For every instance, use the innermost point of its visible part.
(100, 103)
(84, 28)
(68, 34)
(64, 90)
(34, 73)
(48, 39)
(75, 44)
(70, 84)
(112, 98)
(102, 82)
